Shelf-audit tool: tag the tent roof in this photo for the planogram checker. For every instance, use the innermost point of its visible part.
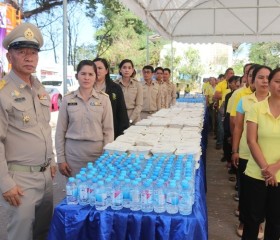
(206, 21)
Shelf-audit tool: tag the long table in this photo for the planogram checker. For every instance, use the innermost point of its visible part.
(85, 222)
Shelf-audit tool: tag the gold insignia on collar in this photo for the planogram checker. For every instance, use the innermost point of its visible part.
(2, 83)
(21, 86)
(28, 34)
(26, 119)
(43, 96)
(15, 93)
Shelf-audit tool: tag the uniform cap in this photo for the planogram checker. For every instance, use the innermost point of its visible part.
(25, 35)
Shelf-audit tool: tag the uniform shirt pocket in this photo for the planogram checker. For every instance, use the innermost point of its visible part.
(46, 104)
(74, 113)
(23, 116)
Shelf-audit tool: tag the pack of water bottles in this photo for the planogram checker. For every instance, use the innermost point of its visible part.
(162, 183)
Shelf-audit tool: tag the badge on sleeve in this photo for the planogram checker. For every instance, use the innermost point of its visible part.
(2, 83)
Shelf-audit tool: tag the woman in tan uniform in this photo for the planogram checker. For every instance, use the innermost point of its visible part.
(132, 90)
(85, 123)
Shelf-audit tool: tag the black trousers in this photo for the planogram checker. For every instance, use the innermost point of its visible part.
(240, 182)
(261, 201)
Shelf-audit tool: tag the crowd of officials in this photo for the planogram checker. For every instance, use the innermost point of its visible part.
(90, 117)
(244, 116)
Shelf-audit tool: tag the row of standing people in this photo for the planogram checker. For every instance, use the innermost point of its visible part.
(250, 139)
(85, 122)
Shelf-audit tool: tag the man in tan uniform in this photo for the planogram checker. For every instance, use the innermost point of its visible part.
(163, 87)
(171, 87)
(26, 157)
(151, 93)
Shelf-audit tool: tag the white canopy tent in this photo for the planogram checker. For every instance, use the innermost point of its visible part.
(209, 21)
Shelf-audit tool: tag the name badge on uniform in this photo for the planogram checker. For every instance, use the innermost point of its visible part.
(72, 103)
(20, 99)
(95, 103)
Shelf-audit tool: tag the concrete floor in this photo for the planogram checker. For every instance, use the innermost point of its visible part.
(221, 220)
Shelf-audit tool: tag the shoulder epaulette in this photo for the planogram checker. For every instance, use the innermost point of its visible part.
(104, 93)
(2, 84)
(68, 94)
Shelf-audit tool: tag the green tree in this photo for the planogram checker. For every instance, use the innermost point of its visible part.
(265, 53)
(193, 68)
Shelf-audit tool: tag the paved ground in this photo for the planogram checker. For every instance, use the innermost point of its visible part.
(221, 219)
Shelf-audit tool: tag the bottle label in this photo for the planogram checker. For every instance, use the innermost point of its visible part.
(83, 193)
(146, 197)
(101, 197)
(135, 196)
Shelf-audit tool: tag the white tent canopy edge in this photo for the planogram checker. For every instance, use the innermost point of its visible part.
(210, 21)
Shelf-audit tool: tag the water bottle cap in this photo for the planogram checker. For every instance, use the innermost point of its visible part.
(71, 179)
(100, 183)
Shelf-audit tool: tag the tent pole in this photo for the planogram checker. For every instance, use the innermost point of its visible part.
(64, 47)
(172, 59)
(147, 41)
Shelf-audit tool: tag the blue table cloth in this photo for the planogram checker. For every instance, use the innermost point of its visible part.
(84, 222)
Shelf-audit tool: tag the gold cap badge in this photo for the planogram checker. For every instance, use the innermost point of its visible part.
(28, 34)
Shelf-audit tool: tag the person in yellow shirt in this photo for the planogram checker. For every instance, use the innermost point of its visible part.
(262, 175)
(187, 90)
(220, 92)
(209, 93)
(205, 85)
(240, 150)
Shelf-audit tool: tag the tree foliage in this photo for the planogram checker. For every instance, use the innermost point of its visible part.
(266, 54)
(193, 68)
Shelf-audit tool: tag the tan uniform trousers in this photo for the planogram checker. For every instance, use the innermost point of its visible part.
(129, 113)
(79, 153)
(31, 220)
(145, 115)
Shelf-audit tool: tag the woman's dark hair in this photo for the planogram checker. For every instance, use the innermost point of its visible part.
(86, 63)
(257, 69)
(126, 61)
(106, 65)
(234, 78)
(273, 73)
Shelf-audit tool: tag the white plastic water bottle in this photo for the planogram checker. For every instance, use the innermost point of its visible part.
(116, 196)
(108, 187)
(147, 197)
(92, 185)
(159, 197)
(172, 198)
(126, 193)
(185, 201)
(100, 196)
(83, 192)
(71, 192)
(135, 194)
